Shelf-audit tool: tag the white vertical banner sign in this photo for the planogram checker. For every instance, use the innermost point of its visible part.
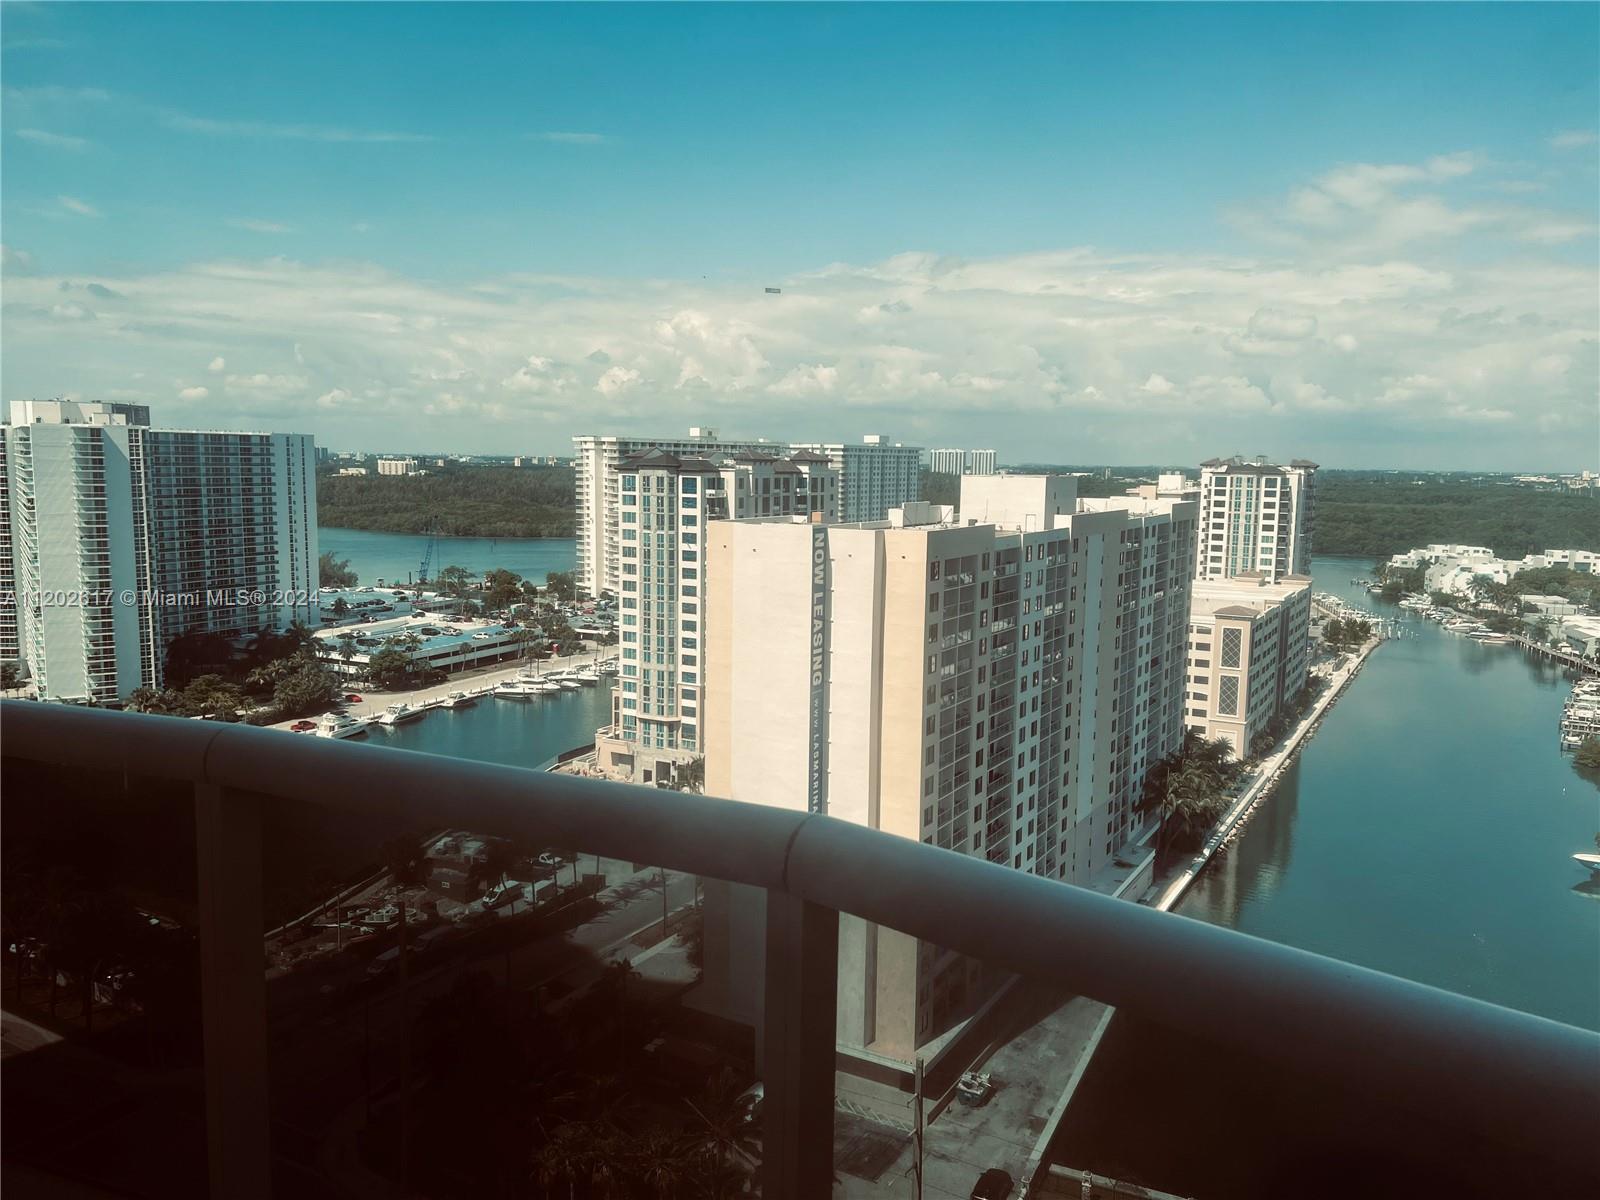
(817, 747)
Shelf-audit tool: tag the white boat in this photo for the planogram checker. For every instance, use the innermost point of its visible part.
(1487, 635)
(459, 700)
(520, 689)
(1589, 862)
(342, 725)
(398, 714)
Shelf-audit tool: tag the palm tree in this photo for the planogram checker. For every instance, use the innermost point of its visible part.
(659, 1162)
(724, 1139)
(564, 1158)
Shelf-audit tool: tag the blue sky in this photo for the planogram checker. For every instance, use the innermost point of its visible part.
(1360, 233)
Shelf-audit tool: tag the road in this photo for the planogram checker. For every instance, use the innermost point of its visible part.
(327, 1036)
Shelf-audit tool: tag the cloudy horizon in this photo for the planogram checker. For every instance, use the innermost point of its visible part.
(1416, 298)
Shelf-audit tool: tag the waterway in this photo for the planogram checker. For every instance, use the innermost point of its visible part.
(395, 557)
(516, 733)
(1425, 831)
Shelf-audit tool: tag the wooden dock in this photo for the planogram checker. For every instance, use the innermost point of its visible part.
(1582, 665)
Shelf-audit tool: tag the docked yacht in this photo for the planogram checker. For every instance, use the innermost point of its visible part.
(398, 714)
(1589, 862)
(459, 700)
(342, 725)
(520, 689)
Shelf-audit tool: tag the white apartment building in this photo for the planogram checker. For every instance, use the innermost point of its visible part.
(235, 512)
(81, 549)
(871, 478)
(962, 462)
(1455, 569)
(399, 466)
(1256, 517)
(666, 501)
(1249, 650)
(875, 474)
(122, 537)
(994, 683)
(1169, 485)
(10, 637)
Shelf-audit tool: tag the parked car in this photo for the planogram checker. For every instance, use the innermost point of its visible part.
(502, 893)
(549, 860)
(973, 1088)
(993, 1184)
(748, 1105)
(302, 726)
(352, 698)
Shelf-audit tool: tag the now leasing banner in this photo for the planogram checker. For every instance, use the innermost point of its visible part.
(817, 749)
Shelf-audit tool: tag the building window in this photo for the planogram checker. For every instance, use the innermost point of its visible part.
(1232, 646)
(1228, 696)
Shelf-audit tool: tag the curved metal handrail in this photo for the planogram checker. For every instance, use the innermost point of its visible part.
(1495, 1073)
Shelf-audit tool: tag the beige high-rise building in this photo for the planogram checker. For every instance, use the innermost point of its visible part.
(1256, 518)
(995, 683)
(666, 503)
(1249, 647)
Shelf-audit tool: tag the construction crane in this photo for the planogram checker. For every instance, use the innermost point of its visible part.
(427, 552)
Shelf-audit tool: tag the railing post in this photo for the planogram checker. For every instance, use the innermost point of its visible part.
(801, 1014)
(233, 992)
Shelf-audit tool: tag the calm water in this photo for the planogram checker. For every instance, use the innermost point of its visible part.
(394, 557)
(518, 733)
(1428, 827)
(1425, 831)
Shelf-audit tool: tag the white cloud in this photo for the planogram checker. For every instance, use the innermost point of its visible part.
(273, 131)
(1363, 210)
(1572, 139)
(50, 94)
(81, 208)
(1278, 323)
(807, 380)
(1153, 356)
(14, 260)
(255, 225)
(617, 379)
(58, 141)
(568, 138)
(194, 393)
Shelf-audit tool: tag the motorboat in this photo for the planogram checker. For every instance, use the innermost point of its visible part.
(459, 700)
(398, 714)
(520, 689)
(342, 725)
(1589, 862)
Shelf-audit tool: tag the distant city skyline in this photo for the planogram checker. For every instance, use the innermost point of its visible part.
(1079, 234)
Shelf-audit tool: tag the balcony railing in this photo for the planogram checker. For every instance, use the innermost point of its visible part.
(1491, 1075)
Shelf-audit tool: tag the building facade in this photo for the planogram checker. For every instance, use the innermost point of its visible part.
(884, 475)
(962, 462)
(399, 466)
(993, 685)
(123, 537)
(666, 503)
(1256, 518)
(1249, 651)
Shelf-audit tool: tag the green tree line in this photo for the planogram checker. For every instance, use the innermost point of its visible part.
(455, 501)
(1383, 517)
